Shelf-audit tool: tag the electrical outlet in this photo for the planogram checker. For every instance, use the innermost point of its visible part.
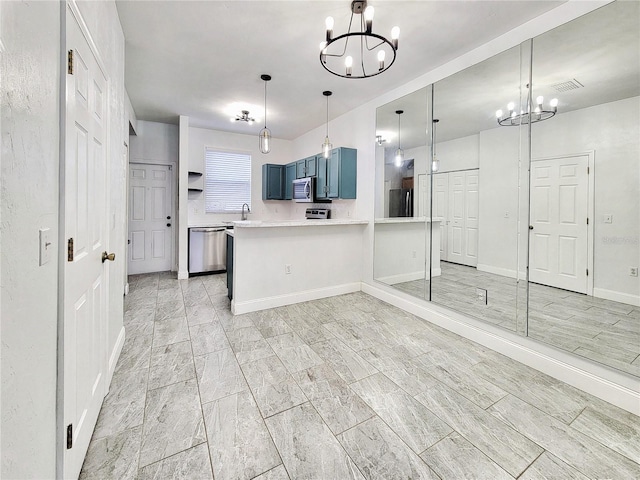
(506, 214)
(481, 296)
(287, 269)
(413, 254)
(348, 213)
(608, 218)
(633, 271)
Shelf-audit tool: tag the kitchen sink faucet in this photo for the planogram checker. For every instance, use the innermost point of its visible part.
(244, 215)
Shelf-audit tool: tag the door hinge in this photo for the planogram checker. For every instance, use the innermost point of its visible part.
(587, 220)
(70, 250)
(587, 170)
(70, 62)
(69, 436)
(587, 272)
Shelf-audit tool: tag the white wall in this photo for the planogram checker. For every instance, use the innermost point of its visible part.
(200, 138)
(154, 143)
(458, 154)
(260, 256)
(30, 200)
(31, 36)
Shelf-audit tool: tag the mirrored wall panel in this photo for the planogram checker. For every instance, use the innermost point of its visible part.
(401, 255)
(477, 191)
(515, 198)
(585, 200)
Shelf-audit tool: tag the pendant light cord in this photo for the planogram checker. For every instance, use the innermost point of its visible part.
(327, 116)
(265, 104)
(399, 147)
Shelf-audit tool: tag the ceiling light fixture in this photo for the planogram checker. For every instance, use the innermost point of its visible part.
(435, 163)
(326, 146)
(264, 137)
(371, 57)
(243, 117)
(513, 119)
(399, 157)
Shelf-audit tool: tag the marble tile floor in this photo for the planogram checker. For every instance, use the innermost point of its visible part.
(602, 330)
(346, 387)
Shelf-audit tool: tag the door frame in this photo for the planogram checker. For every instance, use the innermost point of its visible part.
(173, 198)
(590, 154)
(71, 7)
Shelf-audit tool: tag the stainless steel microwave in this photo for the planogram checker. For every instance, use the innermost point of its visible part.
(304, 190)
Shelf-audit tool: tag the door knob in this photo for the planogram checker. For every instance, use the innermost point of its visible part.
(108, 256)
(168, 224)
(168, 217)
(530, 227)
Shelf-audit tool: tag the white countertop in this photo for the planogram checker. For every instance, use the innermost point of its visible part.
(408, 220)
(297, 223)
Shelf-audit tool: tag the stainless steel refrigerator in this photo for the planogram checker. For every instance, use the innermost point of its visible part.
(401, 202)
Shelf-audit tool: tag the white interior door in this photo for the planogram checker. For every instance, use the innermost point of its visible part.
(558, 249)
(440, 209)
(85, 224)
(462, 235)
(150, 218)
(471, 212)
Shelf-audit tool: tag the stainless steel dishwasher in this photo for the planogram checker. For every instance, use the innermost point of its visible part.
(207, 250)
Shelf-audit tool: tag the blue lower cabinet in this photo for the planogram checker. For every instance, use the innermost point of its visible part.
(289, 177)
(230, 267)
(272, 181)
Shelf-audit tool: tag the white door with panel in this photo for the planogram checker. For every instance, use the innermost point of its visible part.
(150, 218)
(85, 274)
(440, 209)
(462, 234)
(559, 230)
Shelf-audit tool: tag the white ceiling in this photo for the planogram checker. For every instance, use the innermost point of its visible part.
(204, 59)
(601, 50)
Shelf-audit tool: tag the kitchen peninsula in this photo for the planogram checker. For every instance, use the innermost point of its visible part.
(281, 262)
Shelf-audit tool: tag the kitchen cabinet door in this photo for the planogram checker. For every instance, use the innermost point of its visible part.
(321, 177)
(348, 172)
(289, 177)
(272, 182)
(301, 168)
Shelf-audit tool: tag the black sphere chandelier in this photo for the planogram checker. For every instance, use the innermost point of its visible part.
(367, 55)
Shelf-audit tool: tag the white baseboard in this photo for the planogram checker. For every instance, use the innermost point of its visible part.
(280, 300)
(115, 355)
(617, 296)
(126, 288)
(611, 385)
(183, 275)
(504, 272)
(407, 277)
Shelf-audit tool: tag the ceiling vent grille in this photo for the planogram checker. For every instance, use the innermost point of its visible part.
(566, 86)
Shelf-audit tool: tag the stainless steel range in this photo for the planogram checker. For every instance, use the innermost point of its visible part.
(318, 213)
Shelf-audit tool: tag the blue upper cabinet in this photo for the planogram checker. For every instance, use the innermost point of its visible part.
(289, 177)
(337, 175)
(273, 181)
(306, 167)
(348, 171)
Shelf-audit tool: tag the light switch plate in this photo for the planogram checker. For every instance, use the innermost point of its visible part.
(46, 245)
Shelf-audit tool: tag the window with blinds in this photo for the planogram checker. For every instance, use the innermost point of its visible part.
(227, 184)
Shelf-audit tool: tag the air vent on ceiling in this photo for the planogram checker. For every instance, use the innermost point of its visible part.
(566, 86)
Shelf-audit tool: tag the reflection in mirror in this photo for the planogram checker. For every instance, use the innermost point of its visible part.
(584, 295)
(400, 246)
(476, 189)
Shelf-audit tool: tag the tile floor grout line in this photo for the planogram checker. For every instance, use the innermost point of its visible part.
(197, 381)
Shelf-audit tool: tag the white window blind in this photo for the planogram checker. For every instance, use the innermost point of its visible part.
(227, 181)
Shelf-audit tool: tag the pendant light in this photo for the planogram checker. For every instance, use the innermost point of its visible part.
(399, 157)
(327, 146)
(435, 163)
(264, 137)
